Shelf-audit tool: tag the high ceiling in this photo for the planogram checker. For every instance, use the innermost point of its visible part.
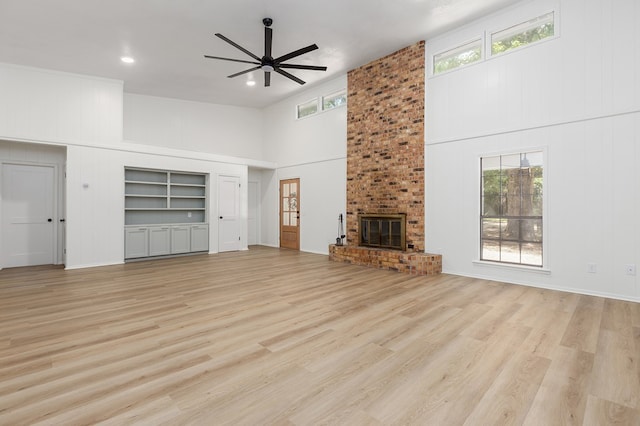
(168, 39)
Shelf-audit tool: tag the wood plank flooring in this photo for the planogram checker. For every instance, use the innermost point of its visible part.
(271, 336)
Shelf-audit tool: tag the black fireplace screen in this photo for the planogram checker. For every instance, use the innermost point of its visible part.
(383, 231)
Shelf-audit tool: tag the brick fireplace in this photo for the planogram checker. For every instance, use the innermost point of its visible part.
(385, 159)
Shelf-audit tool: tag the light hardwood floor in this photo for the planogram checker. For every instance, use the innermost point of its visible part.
(270, 336)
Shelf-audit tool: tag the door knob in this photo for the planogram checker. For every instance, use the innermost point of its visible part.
(61, 220)
(49, 220)
(220, 217)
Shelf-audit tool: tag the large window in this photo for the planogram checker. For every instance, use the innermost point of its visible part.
(511, 208)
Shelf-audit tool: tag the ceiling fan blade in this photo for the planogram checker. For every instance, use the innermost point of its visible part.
(303, 67)
(267, 79)
(232, 60)
(290, 76)
(295, 53)
(244, 72)
(237, 46)
(268, 40)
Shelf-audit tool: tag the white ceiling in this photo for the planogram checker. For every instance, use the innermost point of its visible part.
(168, 39)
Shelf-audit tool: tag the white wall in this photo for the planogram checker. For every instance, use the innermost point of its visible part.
(314, 150)
(318, 137)
(322, 199)
(193, 126)
(51, 106)
(578, 96)
(40, 108)
(95, 199)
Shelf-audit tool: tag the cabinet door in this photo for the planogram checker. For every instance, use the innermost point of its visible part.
(159, 240)
(180, 239)
(199, 237)
(136, 242)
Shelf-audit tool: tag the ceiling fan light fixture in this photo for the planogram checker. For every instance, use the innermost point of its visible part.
(127, 59)
(268, 63)
(251, 83)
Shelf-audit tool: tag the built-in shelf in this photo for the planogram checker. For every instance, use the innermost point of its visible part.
(164, 207)
(156, 197)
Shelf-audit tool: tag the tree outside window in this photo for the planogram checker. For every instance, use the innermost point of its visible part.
(511, 208)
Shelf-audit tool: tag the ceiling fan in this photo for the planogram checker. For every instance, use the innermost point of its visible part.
(268, 63)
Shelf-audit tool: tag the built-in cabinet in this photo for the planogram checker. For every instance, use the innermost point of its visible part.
(165, 213)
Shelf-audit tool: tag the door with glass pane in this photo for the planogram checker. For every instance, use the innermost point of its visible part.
(290, 213)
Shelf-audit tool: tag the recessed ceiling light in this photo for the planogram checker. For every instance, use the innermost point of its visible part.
(127, 59)
(251, 83)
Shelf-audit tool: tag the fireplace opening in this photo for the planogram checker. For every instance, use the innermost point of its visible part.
(382, 230)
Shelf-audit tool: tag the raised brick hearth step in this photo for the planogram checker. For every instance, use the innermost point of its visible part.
(395, 260)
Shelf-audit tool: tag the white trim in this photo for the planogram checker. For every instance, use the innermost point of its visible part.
(336, 95)
(131, 147)
(519, 16)
(544, 286)
(305, 103)
(93, 265)
(440, 141)
(66, 73)
(432, 58)
(513, 266)
(556, 34)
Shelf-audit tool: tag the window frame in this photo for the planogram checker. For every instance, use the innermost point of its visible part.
(488, 39)
(486, 33)
(544, 268)
(306, 103)
(335, 94)
(478, 39)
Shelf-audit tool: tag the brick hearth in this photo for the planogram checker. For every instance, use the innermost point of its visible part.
(394, 260)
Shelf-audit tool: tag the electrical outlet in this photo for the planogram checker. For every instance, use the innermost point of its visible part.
(592, 268)
(630, 269)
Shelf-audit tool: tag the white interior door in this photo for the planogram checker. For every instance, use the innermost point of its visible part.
(28, 215)
(252, 216)
(228, 213)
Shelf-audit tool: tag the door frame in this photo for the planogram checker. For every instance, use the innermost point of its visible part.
(57, 214)
(280, 225)
(258, 206)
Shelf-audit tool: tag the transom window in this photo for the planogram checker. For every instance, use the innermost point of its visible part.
(334, 100)
(511, 208)
(489, 44)
(523, 34)
(307, 108)
(458, 56)
(321, 104)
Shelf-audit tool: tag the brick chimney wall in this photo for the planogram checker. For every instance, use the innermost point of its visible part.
(385, 141)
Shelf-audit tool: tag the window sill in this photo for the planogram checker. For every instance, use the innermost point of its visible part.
(506, 266)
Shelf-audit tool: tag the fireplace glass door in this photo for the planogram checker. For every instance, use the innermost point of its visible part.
(384, 231)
